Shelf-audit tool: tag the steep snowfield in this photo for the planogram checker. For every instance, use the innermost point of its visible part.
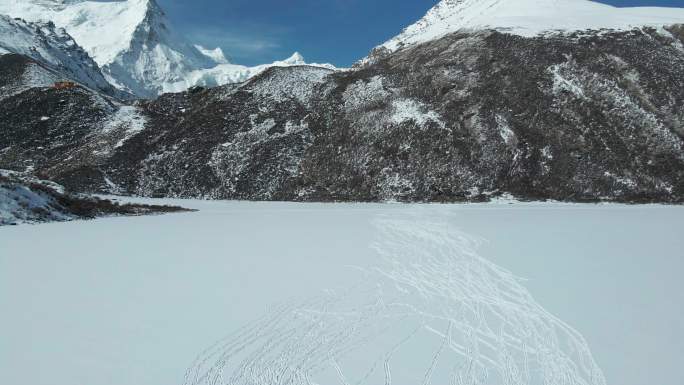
(53, 48)
(283, 84)
(347, 294)
(134, 44)
(530, 18)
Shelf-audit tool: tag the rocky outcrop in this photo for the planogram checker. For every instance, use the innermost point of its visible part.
(30, 200)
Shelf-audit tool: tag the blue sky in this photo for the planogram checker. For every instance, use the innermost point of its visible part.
(334, 31)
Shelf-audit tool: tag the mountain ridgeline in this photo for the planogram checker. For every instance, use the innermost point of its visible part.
(585, 115)
(135, 46)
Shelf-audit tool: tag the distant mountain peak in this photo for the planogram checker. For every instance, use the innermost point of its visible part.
(295, 59)
(215, 54)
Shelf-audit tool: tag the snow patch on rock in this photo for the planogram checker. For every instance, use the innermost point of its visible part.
(129, 120)
(506, 132)
(363, 93)
(298, 83)
(407, 110)
(564, 82)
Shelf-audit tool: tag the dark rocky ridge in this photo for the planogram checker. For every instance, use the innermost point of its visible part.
(29, 200)
(579, 117)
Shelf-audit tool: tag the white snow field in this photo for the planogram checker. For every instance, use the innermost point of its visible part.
(284, 293)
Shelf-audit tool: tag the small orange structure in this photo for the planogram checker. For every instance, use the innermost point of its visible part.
(63, 85)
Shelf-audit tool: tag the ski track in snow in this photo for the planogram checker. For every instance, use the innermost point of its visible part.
(433, 311)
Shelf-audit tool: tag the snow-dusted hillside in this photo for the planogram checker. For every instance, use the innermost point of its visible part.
(530, 18)
(53, 48)
(578, 117)
(134, 44)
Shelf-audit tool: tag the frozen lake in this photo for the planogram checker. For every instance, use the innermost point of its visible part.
(347, 294)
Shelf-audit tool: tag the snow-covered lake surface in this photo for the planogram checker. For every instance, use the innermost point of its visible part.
(266, 293)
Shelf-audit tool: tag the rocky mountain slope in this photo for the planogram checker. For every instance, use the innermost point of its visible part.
(30, 200)
(55, 50)
(39, 121)
(574, 115)
(135, 45)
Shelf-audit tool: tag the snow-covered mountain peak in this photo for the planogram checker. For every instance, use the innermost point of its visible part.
(530, 18)
(104, 29)
(215, 54)
(135, 45)
(295, 59)
(129, 39)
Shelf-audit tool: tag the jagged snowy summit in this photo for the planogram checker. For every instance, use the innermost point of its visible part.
(135, 45)
(530, 18)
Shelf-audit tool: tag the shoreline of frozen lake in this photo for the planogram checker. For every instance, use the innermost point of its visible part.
(135, 300)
